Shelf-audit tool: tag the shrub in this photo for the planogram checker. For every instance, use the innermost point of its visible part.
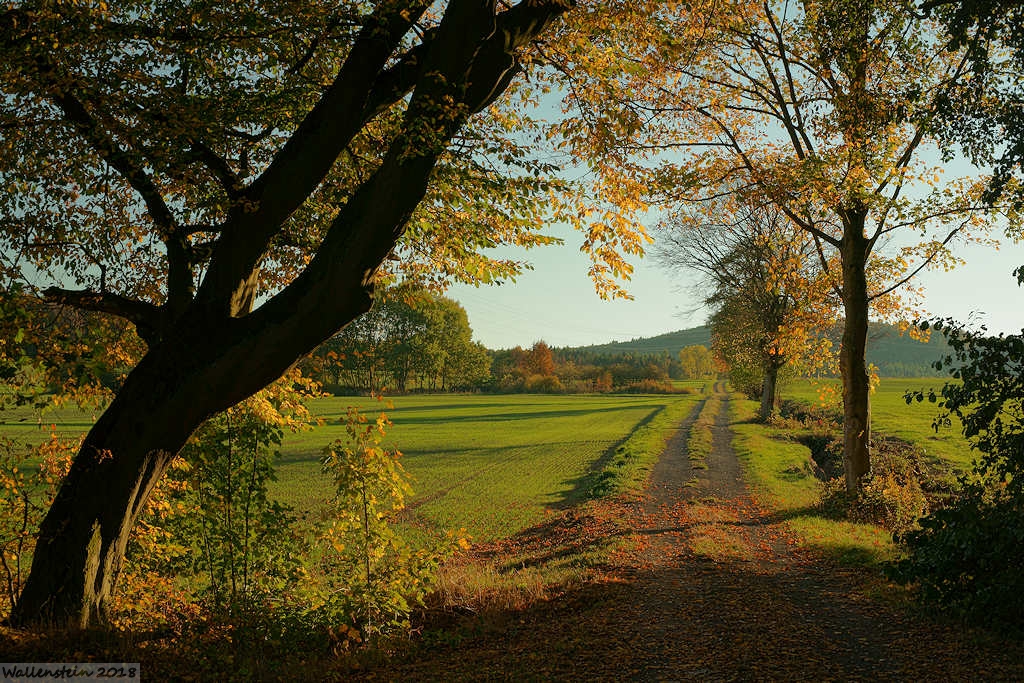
(544, 384)
(967, 556)
(892, 495)
(652, 386)
(29, 478)
(373, 577)
(243, 542)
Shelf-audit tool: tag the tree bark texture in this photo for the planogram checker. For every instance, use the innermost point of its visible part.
(852, 359)
(769, 390)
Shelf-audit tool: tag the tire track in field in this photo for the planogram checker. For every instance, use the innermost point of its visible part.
(409, 514)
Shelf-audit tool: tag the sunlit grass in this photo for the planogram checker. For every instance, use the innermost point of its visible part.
(892, 416)
(489, 464)
(698, 445)
(715, 533)
(31, 426)
(493, 464)
(782, 480)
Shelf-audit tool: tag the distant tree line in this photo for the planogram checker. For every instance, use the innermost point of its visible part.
(571, 370)
(409, 340)
(412, 340)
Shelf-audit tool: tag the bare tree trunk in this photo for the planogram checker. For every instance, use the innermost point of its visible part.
(853, 366)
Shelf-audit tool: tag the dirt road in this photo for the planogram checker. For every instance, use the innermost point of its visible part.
(708, 587)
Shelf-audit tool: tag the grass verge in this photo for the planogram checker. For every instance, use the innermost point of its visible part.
(782, 480)
(698, 445)
(627, 470)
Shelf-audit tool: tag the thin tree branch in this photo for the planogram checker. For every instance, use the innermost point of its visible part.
(924, 264)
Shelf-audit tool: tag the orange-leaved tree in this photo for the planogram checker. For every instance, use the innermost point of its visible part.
(759, 274)
(824, 109)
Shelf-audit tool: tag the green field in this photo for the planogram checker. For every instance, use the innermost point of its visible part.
(890, 415)
(489, 464)
(492, 464)
(31, 425)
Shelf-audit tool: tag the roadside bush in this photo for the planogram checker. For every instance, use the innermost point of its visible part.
(794, 414)
(966, 557)
(892, 495)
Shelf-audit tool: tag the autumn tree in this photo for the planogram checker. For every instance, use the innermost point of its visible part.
(696, 362)
(760, 276)
(232, 179)
(825, 109)
(539, 359)
(373, 352)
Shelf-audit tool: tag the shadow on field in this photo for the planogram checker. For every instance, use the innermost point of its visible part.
(507, 417)
(474, 406)
(580, 487)
(687, 620)
(762, 520)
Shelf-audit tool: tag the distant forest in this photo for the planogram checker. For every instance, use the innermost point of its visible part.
(425, 343)
(895, 355)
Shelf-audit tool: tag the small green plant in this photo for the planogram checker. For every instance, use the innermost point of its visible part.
(373, 576)
(244, 544)
(242, 538)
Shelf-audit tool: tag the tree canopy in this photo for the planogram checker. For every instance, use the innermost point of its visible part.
(984, 113)
(408, 339)
(235, 181)
(760, 277)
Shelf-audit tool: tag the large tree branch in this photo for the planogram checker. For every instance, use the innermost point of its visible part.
(304, 161)
(219, 168)
(145, 316)
(924, 264)
(361, 90)
(369, 225)
(85, 124)
(59, 88)
(179, 271)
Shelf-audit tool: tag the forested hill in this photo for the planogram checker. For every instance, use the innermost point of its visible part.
(895, 355)
(670, 343)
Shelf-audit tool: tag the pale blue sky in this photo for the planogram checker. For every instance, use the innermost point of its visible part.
(556, 301)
